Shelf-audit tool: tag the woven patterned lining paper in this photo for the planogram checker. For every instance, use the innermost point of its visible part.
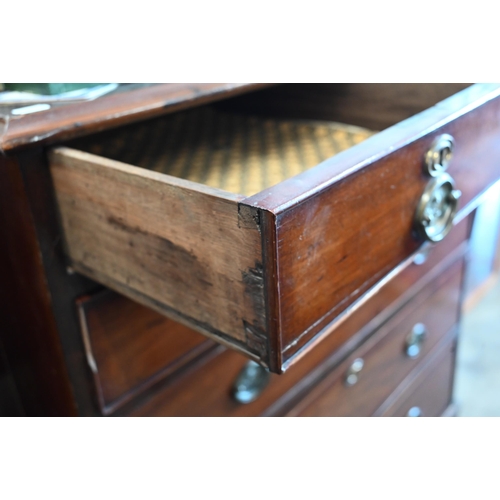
(240, 154)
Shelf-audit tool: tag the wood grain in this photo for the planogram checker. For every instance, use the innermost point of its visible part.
(167, 243)
(75, 120)
(385, 361)
(430, 390)
(372, 105)
(336, 246)
(28, 331)
(389, 295)
(130, 347)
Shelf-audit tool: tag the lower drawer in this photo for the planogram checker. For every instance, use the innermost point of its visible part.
(429, 394)
(368, 377)
(130, 347)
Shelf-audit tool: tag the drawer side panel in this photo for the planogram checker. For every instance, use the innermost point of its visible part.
(183, 251)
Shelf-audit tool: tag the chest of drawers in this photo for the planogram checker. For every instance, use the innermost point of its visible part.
(243, 249)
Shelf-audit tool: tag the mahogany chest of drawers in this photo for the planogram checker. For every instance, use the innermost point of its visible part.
(223, 250)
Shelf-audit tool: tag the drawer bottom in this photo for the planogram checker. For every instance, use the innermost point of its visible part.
(238, 153)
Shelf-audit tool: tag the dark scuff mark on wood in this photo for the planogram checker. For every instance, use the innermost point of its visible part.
(248, 217)
(176, 258)
(120, 224)
(256, 341)
(253, 279)
(255, 333)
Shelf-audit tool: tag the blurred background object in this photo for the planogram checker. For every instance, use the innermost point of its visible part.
(477, 381)
(48, 88)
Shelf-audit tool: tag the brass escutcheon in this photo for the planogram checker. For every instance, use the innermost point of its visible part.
(439, 155)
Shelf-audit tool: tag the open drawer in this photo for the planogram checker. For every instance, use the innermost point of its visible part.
(320, 215)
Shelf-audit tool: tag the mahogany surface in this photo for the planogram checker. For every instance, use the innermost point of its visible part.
(28, 330)
(430, 391)
(375, 106)
(385, 361)
(74, 120)
(130, 347)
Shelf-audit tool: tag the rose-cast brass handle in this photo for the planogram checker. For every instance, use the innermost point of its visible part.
(437, 208)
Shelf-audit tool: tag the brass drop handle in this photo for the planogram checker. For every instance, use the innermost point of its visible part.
(415, 340)
(251, 381)
(439, 202)
(437, 208)
(352, 375)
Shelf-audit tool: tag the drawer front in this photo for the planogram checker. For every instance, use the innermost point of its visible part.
(268, 275)
(429, 395)
(130, 347)
(205, 392)
(361, 383)
(334, 243)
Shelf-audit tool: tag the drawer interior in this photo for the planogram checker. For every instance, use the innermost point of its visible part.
(240, 153)
(249, 143)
